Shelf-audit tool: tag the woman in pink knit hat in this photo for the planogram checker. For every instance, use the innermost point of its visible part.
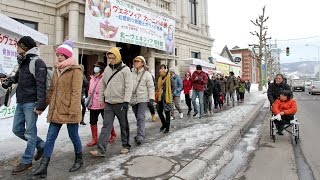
(63, 98)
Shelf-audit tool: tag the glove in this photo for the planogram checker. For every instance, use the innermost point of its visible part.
(278, 117)
(125, 106)
(151, 101)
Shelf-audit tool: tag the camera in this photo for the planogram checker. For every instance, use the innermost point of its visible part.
(6, 83)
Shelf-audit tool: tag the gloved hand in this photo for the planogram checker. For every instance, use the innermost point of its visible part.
(125, 106)
(278, 117)
(151, 101)
(7, 83)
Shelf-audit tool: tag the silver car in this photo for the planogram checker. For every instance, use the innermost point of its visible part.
(314, 87)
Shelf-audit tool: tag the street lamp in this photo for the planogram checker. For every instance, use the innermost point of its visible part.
(318, 47)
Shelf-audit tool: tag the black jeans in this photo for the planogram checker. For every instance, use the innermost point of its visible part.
(165, 121)
(94, 114)
(188, 101)
(285, 119)
(151, 108)
(216, 99)
(83, 109)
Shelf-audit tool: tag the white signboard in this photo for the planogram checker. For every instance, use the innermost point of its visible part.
(121, 21)
(8, 59)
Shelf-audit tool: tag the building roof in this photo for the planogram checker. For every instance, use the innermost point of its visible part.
(226, 49)
(219, 59)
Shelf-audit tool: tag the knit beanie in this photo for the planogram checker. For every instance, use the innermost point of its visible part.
(140, 58)
(65, 49)
(26, 43)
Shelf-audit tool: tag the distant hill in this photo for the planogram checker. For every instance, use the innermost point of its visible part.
(303, 67)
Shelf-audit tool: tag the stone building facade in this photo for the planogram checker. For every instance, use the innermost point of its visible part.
(64, 19)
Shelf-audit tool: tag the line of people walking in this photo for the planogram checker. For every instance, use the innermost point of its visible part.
(112, 88)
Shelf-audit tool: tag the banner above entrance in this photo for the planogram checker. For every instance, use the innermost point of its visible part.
(120, 21)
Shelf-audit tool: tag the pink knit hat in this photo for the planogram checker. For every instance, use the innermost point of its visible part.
(65, 49)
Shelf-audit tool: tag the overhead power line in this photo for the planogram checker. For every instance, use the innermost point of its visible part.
(298, 38)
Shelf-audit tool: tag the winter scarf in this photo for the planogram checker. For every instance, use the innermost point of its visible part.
(68, 62)
(165, 77)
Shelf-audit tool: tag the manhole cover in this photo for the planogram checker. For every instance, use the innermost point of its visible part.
(148, 166)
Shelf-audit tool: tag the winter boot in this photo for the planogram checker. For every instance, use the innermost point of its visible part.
(113, 136)
(42, 169)
(153, 118)
(77, 163)
(94, 132)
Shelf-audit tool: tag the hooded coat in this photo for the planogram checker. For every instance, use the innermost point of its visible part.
(64, 96)
(119, 89)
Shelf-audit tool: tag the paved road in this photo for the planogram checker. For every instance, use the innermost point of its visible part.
(309, 118)
(283, 159)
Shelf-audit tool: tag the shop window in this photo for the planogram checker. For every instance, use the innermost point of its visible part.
(33, 25)
(195, 55)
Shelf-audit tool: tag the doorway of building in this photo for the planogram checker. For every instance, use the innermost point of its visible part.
(129, 52)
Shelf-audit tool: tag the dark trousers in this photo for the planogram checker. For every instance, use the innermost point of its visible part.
(216, 99)
(188, 101)
(110, 111)
(164, 120)
(94, 114)
(83, 108)
(151, 108)
(285, 119)
(241, 95)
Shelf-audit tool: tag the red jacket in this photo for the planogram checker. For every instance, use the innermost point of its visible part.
(199, 80)
(288, 107)
(187, 85)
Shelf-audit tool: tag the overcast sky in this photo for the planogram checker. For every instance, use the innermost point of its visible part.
(230, 25)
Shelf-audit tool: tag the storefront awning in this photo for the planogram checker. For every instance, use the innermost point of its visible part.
(14, 26)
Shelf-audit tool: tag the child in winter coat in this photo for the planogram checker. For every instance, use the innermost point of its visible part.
(285, 107)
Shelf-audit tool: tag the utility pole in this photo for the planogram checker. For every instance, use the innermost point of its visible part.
(259, 22)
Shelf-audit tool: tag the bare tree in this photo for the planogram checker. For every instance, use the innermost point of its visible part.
(262, 35)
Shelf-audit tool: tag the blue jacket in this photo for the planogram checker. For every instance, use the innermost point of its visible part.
(178, 86)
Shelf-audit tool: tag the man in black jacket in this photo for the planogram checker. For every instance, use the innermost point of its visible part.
(216, 91)
(31, 95)
(276, 87)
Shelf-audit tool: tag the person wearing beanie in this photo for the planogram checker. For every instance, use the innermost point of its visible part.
(176, 93)
(231, 86)
(94, 105)
(284, 107)
(64, 100)
(187, 86)
(142, 94)
(115, 91)
(199, 80)
(31, 95)
(163, 97)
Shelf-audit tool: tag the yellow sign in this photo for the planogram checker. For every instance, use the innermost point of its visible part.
(224, 68)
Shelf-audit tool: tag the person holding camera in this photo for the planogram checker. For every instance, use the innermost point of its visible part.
(31, 95)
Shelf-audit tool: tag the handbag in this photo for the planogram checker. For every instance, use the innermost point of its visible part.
(88, 100)
(134, 96)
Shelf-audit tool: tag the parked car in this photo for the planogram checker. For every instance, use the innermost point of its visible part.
(314, 88)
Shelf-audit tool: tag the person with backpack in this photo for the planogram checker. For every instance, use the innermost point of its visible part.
(94, 105)
(31, 94)
(143, 93)
(115, 91)
(64, 100)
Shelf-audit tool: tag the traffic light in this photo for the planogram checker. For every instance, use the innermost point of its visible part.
(287, 51)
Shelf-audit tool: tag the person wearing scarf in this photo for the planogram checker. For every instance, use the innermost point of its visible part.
(165, 87)
(64, 100)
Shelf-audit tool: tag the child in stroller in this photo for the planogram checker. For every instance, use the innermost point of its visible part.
(284, 108)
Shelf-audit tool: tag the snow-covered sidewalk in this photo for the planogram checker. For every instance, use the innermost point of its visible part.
(186, 139)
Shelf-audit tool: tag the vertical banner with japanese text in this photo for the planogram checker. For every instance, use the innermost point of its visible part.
(8, 60)
(121, 21)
